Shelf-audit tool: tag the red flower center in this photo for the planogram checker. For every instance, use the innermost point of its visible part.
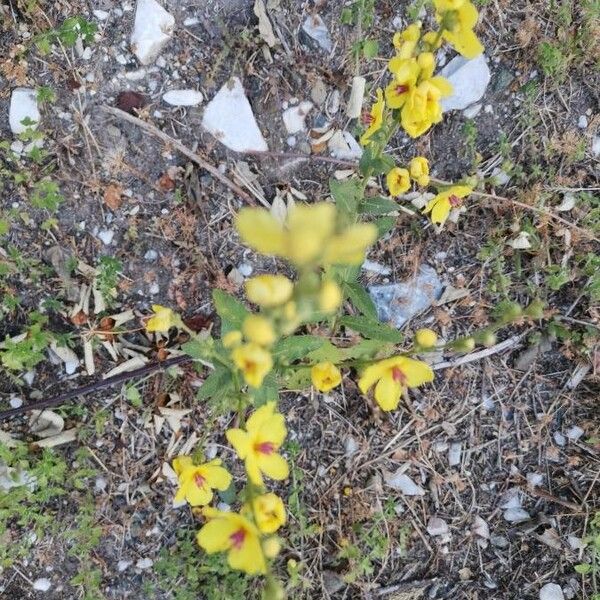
(199, 480)
(398, 376)
(237, 538)
(401, 89)
(454, 201)
(265, 447)
(367, 118)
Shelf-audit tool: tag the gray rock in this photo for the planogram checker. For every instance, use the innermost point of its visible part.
(316, 29)
(437, 526)
(23, 105)
(551, 591)
(502, 79)
(469, 79)
(42, 584)
(229, 117)
(398, 302)
(152, 29)
(582, 123)
(596, 146)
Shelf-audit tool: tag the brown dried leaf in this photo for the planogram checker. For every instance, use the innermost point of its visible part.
(112, 196)
(130, 102)
(165, 183)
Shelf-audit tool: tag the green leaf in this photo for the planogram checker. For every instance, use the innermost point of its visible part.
(360, 299)
(364, 349)
(347, 194)
(230, 309)
(371, 164)
(196, 349)
(133, 395)
(378, 205)
(370, 48)
(296, 346)
(217, 381)
(267, 392)
(372, 329)
(384, 225)
(583, 568)
(346, 16)
(4, 226)
(298, 379)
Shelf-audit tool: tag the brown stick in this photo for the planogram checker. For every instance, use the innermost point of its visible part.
(94, 387)
(151, 129)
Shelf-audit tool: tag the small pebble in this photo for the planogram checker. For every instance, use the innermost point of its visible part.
(582, 123)
(551, 591)
(151, 255)
(575, 433)
(42, 584)
(559, 439)
(16, 402)
(123, 565)
(245, 269)
(144, 563)
(154, 289)
(106, 236)
(437, 526)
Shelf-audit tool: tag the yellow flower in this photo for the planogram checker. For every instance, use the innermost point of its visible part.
(269, 290)
(422, 108)
(398, 181)
(444, 5)
(232, 339)
(269, 512)
(349, 246)
(300, 239)
(426, 64)
(196, 482)
(419, 170)
(426, 338)
(374, 118)
(271, 547)
(325, 376)
(459, 23)
(330, 296)
(258, 445)
(406, 41)
(393, 376)
(236, 535)
(253, 361)
(445, 201)
(405, 73)
(164, 318)
(433, 40)
(258, 329)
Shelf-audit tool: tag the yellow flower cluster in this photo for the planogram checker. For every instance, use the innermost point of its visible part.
(245, 536)
(399, 179)
(457, 19)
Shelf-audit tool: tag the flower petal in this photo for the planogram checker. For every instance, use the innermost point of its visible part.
(261, 230)
(216, 476)
(182, 462)
(416, 372)
(215, 535)
(387, 392)
(240, 441)
(273, 466)
(249, 557)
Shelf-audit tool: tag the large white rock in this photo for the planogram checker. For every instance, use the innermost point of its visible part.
(229, 117)
(182, 97)
(469, 79)
(23, 104)
(552, 591)
(152, 29)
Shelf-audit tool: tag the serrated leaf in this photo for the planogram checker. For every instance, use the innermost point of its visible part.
(370, 48)
(230, 309)
(267, 392)
(360, 299)
(583, 568)
(298, 379)
(377, 205)
(217, 381)
(371, 329)
(196, 349)
(296, 347)
(370, 165)
(384, 225)
(347, 194)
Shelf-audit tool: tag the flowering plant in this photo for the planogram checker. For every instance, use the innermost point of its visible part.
(275, 346)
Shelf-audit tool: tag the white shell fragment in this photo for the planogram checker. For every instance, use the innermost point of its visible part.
(183, 97)
(23, 105)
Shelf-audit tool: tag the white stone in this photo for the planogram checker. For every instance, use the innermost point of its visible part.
(183, 97)
(295, 116)
(559, 439)
(596, 146)
(375, 267)
(17, 146)
(106, 236)
(516, 515)
(101, 15)
(152, 29)
(403, 483)
(351, 446)
(574, 433)
(245, 269)
(551, 591)
(534, 479)
(454, 454)
(469, 80)
(144, 563)
(16, 402)
(23, 105)
(151, 255)
(229, 117)
(154, 289)
(123, 565)
(315, 28)
(480, 528)
(437, 526)
(189, 21)
(343, 145)
(42, 584)
(472, 111)
(582, 123)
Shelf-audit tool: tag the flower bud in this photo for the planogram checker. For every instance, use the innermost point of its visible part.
(463, 344)
(488, 339)
(273, 590)
(511, 311)
(330, 296)
(535, 310)
(426, 338)
(271, 547)
(232, 339)
(259, 330)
